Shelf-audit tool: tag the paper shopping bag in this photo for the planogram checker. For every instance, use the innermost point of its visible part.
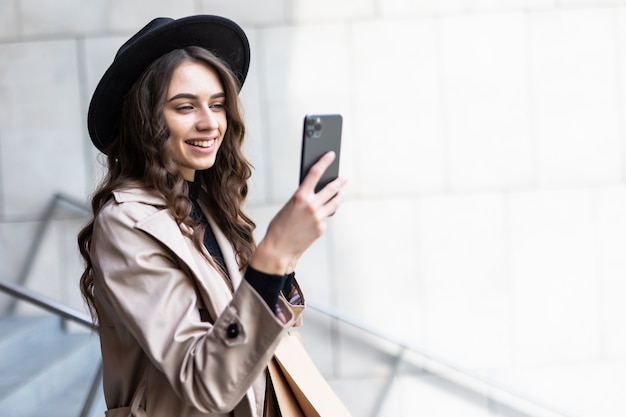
(279, 398)
(300, 388)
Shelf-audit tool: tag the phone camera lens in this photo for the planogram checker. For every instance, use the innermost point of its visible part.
(314, 127)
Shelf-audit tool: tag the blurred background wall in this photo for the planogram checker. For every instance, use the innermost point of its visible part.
(484, 141)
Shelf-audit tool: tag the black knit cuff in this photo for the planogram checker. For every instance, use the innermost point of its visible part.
(268, 286)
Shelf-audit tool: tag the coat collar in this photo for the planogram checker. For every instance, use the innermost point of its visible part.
(137, 194)
(160, 224)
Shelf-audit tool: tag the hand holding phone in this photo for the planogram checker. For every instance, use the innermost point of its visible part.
(321, 134)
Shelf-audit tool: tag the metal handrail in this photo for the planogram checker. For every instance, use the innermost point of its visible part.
(20, 293)
(56, 200)
(428, 362)
(32, 297)
(491, 391)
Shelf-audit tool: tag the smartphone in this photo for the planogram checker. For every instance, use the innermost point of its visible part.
(321, 133)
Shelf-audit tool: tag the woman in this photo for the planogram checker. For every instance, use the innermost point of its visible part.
(189, 309)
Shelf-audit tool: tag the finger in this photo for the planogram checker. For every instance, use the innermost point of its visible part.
(317, 170)
(332, 205)
(331, 189)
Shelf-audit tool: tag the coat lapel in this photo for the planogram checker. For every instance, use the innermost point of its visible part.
(162, 227)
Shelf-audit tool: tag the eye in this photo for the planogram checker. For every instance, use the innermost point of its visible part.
(216, 106)
(184, 107)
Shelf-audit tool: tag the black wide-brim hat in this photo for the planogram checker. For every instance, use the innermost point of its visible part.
(217, 34)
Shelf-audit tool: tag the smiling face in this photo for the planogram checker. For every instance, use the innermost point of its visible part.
(195, 115)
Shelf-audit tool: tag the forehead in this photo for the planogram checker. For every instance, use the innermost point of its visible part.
(195, 76)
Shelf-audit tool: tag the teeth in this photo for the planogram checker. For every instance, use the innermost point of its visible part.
(201, 143)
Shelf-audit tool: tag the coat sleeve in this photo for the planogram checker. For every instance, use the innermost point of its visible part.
(153, 302)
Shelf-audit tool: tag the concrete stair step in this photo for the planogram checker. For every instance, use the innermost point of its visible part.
(19, 331)
(43, 369)
(70, 402)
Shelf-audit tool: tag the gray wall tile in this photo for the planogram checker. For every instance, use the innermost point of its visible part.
(62, 17)
(9, 28)
(40, 125)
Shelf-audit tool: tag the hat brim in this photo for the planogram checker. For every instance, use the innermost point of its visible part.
(219, 35)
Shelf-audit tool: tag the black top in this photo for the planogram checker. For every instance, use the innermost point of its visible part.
(209, 238)
(268, 286)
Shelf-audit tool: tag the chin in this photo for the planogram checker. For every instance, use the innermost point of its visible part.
(204, 167)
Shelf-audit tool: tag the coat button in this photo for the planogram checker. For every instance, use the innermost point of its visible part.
(232, 331)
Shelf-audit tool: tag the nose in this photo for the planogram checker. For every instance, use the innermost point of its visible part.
(206, 120)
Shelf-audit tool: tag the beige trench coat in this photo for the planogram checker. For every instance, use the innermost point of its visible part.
(150, 282)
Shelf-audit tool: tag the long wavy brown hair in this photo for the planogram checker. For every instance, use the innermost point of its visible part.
(138, 156)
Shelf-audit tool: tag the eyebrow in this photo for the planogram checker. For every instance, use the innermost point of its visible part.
(190, 96)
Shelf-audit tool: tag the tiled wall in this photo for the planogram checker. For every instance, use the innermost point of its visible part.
(484, 142)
